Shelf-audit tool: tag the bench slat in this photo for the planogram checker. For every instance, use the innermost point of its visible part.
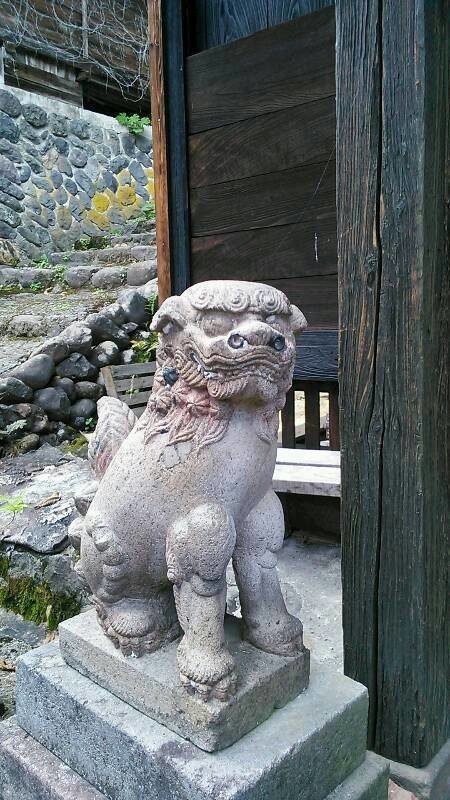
(135, 382)
(127, 370)
(307, 480)
(321, 458)
(138, 399)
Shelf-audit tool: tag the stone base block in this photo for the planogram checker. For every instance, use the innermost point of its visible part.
(151, 684)
(303, 752)
(29, 771)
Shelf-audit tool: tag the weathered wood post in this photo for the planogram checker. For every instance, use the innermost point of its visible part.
(169, 145)
(392, 128)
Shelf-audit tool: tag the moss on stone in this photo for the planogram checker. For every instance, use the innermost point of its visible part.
(75, 446)
(36, 602)
(14, 288)
(4, 566)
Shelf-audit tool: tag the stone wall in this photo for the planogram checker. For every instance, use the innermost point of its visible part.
(53, 394)
(65, 174)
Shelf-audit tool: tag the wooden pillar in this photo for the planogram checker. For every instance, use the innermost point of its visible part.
(288, 420)
(392, 127)
(169, 145)
(160, 166)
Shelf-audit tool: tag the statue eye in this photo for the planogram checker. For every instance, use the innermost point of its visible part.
(236, 341)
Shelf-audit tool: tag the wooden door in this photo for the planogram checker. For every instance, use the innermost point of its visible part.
(261, 162)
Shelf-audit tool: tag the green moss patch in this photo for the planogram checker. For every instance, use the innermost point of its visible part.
(35, 601)
(76, 446)
(4, 567)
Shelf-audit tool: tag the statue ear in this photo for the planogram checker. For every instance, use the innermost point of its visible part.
(170, 315)
(298, 320)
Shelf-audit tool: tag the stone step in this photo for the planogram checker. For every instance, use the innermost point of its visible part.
(29, 771)
(125, 253)
(143, 237)
(304, 751)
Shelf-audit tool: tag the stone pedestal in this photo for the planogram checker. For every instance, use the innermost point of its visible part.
(312, 749)
(152, 683)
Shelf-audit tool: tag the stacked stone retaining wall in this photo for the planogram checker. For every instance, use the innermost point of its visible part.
(55, 391)
(65, 174)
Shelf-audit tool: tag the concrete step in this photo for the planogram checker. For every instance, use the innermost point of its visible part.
(305, 750)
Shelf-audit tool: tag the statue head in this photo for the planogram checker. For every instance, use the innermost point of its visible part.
(234, 339)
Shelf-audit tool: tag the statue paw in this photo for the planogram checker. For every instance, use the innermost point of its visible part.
(132, 629)
(284, 638)
(222, 690)
(207, 674)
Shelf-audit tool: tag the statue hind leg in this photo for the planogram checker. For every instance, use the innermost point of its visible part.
(266, 621)
(138, 624)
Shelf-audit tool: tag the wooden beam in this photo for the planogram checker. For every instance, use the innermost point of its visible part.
(316, 356)
(392, 126)
(174, 69)
(160, 165)
(169, 146)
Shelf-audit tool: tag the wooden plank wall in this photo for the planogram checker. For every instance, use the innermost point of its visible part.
(261, 151)
(217, 23)
(393, 120)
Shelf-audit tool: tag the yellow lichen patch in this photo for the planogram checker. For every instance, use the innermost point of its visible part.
(99, 219)
(111, 197)
(150, 181)
(126, 195)
(100, 201)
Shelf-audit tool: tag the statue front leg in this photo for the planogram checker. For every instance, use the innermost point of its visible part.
(199, 547)
(266, 621)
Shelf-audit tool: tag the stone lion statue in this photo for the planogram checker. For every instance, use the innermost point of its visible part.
(188, 486)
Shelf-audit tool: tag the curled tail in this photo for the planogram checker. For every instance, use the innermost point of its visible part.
(115, 421)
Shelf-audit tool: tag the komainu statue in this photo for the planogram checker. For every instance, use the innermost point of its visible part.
(190, 486)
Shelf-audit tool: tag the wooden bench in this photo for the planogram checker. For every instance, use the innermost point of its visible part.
(297, 471)
(131, 383)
